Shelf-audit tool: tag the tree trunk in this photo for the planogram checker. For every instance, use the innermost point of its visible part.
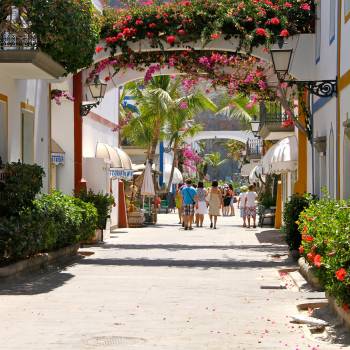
(154, 143)
(172, 168)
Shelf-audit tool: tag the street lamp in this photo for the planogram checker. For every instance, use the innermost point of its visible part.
(281, 59)
(97, 91)
(255, 126)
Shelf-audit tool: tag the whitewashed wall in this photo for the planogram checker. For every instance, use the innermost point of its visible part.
(36, 94)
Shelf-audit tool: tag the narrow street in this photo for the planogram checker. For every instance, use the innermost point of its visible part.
(160, 288)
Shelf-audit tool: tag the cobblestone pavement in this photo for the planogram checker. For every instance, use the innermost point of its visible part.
(162, 288)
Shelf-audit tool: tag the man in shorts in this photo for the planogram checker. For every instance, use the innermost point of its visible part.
(188, 193)
(241, 204)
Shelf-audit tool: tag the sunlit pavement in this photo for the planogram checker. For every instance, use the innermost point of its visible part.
(161, 287)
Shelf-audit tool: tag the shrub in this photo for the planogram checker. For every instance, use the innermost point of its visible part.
(102, 202)
(22, 183)
(325, 229)
(291, 212)
(52, 222)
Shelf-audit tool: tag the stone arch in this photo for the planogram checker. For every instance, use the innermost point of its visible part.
(239, 135)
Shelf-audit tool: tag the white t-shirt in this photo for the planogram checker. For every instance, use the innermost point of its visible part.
(242, 199)
(251, 197)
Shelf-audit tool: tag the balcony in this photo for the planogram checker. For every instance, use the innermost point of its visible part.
(272, 122)
(20, 57)
(254, 148)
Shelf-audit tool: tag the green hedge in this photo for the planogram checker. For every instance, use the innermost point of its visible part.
(54, 221)
(325, 229)
(291, 212)
(22, 183)
(102, 202)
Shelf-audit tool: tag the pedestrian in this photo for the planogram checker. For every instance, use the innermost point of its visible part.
(241, 204)
(188, 194)
(195, 215)
(227, 200)
(233, 200)
(215, 203)
(250, 205)
(201, 203)
(178, 202)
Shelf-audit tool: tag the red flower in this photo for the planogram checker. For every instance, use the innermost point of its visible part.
(310, 256)
(307, 238)
(150, 35)
(346, 307)
(152, 25)
(181, 32)
(305, 229)
(98, 49)
(171, 39)
(215, 36)
(186, 3)
(301, 249)
(305, 7)
(275, 21)
(139, 22)
(107, 78)
(284, 33)
(260, 32)
(318, 260)
(288, 5)
(341, 274)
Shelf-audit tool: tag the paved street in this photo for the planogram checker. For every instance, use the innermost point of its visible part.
(160, 288)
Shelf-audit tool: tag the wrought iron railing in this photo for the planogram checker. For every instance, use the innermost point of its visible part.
(272, 113)
(254, 148)
(21, 40)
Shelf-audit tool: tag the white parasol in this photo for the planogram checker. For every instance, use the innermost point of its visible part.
(147, 188)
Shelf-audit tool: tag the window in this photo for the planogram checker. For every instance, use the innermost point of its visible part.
(331, 164)
(318, 32)
(3, 129)
(347, 9)
(27, 137)
(332, 20)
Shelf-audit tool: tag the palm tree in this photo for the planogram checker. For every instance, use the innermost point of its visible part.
(234, 149)
(160, 106)
(237, 107)
(214, 160)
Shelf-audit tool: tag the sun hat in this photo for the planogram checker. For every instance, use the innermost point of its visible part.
(244, 189)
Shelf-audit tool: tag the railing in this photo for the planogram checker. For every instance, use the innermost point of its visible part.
(20, 40)
(254, 148)
(271, 113)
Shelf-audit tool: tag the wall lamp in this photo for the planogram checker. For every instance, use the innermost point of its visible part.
(97, 91)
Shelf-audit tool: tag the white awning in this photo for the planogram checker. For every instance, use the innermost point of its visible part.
(266, 160)
(255, 173)
(285, 156)
(177, 177)
(117, 158)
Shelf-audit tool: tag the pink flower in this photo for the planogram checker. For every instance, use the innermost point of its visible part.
(288, 5)
(284, 33)
(152, 25)
(139, 22)
(181, 32)
(183, 105)
(305, 7)
(260, 32)
(262, 85)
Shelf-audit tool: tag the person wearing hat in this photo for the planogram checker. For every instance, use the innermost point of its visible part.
(241, 203)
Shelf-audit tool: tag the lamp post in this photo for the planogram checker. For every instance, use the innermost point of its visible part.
(97, 91)
(255, 126)
(281, 60)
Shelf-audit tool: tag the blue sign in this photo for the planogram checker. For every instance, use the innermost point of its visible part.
(57, 158)
(121, 174)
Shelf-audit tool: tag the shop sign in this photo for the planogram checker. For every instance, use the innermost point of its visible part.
(121, 174)
(57, 158)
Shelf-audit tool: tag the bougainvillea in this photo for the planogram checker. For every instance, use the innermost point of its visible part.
(190, 159)
(244, 74)
(254, 22)
(58, 95)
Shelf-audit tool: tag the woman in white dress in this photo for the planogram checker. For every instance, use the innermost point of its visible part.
(201, 204)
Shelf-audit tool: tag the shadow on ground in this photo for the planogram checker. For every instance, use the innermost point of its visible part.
(38, 282)
(204, 264)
